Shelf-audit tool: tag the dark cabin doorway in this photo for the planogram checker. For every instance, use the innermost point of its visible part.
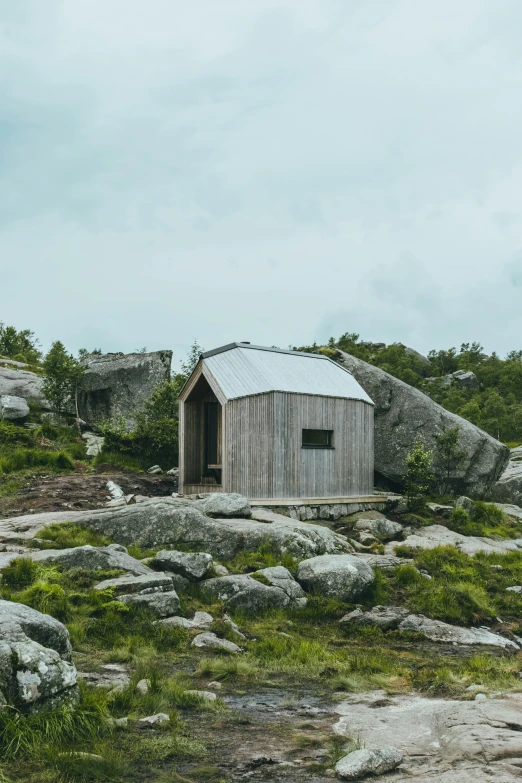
(211, 439)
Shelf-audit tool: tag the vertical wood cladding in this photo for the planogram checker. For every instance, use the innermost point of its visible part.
(263, 454)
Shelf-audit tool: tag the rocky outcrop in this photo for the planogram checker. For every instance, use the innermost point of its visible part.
(438, 535)
(13, 408)
(404, 414)
(224, 504)
(175, 522)
(340, 576)
(443, 740)
(399, 618)
(508, 489)
(92, 558)
(123, 585)
(35, 658)
(162, 604)
(117, 385)
(22, 383)
(270, 588)
(191, 565)
(381, 528)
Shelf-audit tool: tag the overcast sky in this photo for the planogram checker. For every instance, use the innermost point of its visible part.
(276, 171)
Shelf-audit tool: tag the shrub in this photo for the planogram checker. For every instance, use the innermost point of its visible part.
(21, 459)
(19, 574)
(18, 345)
(419, 475)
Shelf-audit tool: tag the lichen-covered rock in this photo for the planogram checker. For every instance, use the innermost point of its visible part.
(177, 522)
(361, 763)
(191, 565)
(92, 558)
(224, 504)
(382, 528)
(215, 643)
(341, 576)
(434, 536)
(13, 408)
(149, 583)
(161, 604)
(117, 385)
(398, 617)
(404, 414)
(22, 383)
(200, 620)
(508, 489)
(270, 588)
(35, 658)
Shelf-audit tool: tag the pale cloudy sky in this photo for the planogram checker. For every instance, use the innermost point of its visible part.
(267, 170)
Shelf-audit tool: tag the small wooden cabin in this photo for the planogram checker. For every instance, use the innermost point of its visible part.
(271, 424)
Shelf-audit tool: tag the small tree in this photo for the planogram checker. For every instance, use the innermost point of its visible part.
(192, 359)
(448, 457)
(62, 376)
(23, 345)
(419, 474)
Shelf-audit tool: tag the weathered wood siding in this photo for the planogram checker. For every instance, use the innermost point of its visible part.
(263, 454)
(192, 441)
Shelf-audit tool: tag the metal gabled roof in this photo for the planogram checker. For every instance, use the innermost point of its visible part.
(241, 370)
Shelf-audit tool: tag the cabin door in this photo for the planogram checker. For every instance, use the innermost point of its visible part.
(211, 439)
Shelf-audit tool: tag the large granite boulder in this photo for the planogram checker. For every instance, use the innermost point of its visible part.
(117, 384)
(22, 383)
(508, 489)
(35, 658)
(404, 414)
(339, 576)
(175, 522)
(13, 408)
(270, 588)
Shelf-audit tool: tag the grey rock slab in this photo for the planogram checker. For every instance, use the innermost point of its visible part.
(224, 504)
(22, 383)
(404, 414)
(35, 657)
(442, 740)
(151, 583)
(177, 522)
(516, 589)
(511, 510)
(191, 565)
(362, 763)
(164, 604)
(213, 642)
(201, 620)
(385, 562)
(382, 528)
(13, 408)
(92, 558)
(438, 535)
(244, 592)
(117, 385)
(508, 488)
(385, 617)
(341, 576)
(438, 631)
(441, 511)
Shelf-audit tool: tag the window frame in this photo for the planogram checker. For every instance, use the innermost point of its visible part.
(327, 445)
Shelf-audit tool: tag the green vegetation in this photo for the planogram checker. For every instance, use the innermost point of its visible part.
(62, 375)
(496, 406)
(419, 476)
(68, 535)
(52, 448)
(484, 519)
(22, 346)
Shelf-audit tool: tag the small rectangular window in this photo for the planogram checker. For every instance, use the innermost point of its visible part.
(317, 439)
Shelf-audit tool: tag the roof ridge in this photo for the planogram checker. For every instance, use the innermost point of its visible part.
(231, 346)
